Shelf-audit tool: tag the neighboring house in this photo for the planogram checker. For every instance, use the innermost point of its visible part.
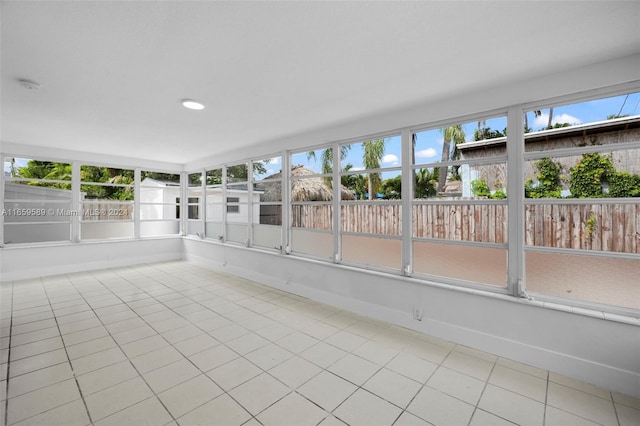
(160, 200)
(620, 130)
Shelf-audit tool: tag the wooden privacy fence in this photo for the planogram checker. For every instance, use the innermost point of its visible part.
(461, 222)
(601, 227)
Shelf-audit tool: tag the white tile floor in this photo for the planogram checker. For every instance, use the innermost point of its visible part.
(171, 343)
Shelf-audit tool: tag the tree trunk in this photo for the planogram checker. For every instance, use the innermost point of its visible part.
(442, 175)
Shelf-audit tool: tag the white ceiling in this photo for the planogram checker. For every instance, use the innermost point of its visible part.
(113, 72)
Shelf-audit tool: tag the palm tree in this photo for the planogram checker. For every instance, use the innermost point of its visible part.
(425, 183)
(373, 151)
(536, 113)
(550, 118)
(453, 134)
(327, 160)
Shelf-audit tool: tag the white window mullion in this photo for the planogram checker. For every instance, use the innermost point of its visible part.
(285, 186)
(224, 203)
(184, 202)
(407, 197)
(250, 214)
(137, 177)
(515, 200)
(75, 201)
(203, 204)
(337, 198)
(2, 159)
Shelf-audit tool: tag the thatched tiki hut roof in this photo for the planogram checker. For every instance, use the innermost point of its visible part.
(306, 189)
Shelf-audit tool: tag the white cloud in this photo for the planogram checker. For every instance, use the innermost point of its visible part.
(426, 153)
(390, 159)
(274, 160)
(543, 120)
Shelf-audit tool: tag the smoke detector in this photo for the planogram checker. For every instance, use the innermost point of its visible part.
(29, 84)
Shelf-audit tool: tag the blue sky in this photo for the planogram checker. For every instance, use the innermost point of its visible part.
(429, 143)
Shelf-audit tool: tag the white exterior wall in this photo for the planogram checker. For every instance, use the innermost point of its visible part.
(214, 197)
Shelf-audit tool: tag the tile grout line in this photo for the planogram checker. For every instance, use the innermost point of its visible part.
(75, 378)
(172, 345)
(486, 383)
(546, 399)
(120, 347)
(147, 323)
(5, 419)
(615, 409)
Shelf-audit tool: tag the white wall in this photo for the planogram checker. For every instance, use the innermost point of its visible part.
(597, 351)
(41, 260)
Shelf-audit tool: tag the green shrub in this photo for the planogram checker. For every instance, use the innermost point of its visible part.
(480, 188)
(589, 175)
(549, 180)
(624, 184)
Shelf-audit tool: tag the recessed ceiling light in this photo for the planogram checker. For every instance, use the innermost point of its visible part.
(28, 84)
(191, 104)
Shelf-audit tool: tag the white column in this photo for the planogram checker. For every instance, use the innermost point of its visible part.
(75, 201)
(515, 200)
(407, 196)
(337, 198)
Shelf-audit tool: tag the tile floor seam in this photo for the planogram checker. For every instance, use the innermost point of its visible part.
(546, 399)
(132, 365)
(68, 357)
(424, 384)
(5, 418)
(172, 345)
(486, 383)
(615, 409)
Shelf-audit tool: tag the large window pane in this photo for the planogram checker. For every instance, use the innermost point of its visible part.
(311, 195)
(582, 207)
(319, 161)
(371, 184)
(267, 236)
(582, 123)
(237, 206)
(372, 218)
(371, 168)
(312, 243)
(215, 205)
(267, 190)
(482, 223)
(195, 197)
(587, 278)
(473, 264)
(37, 201)
(159, 204)
(372, 251)
(312, 216)
(106, 195)
(459, 178)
